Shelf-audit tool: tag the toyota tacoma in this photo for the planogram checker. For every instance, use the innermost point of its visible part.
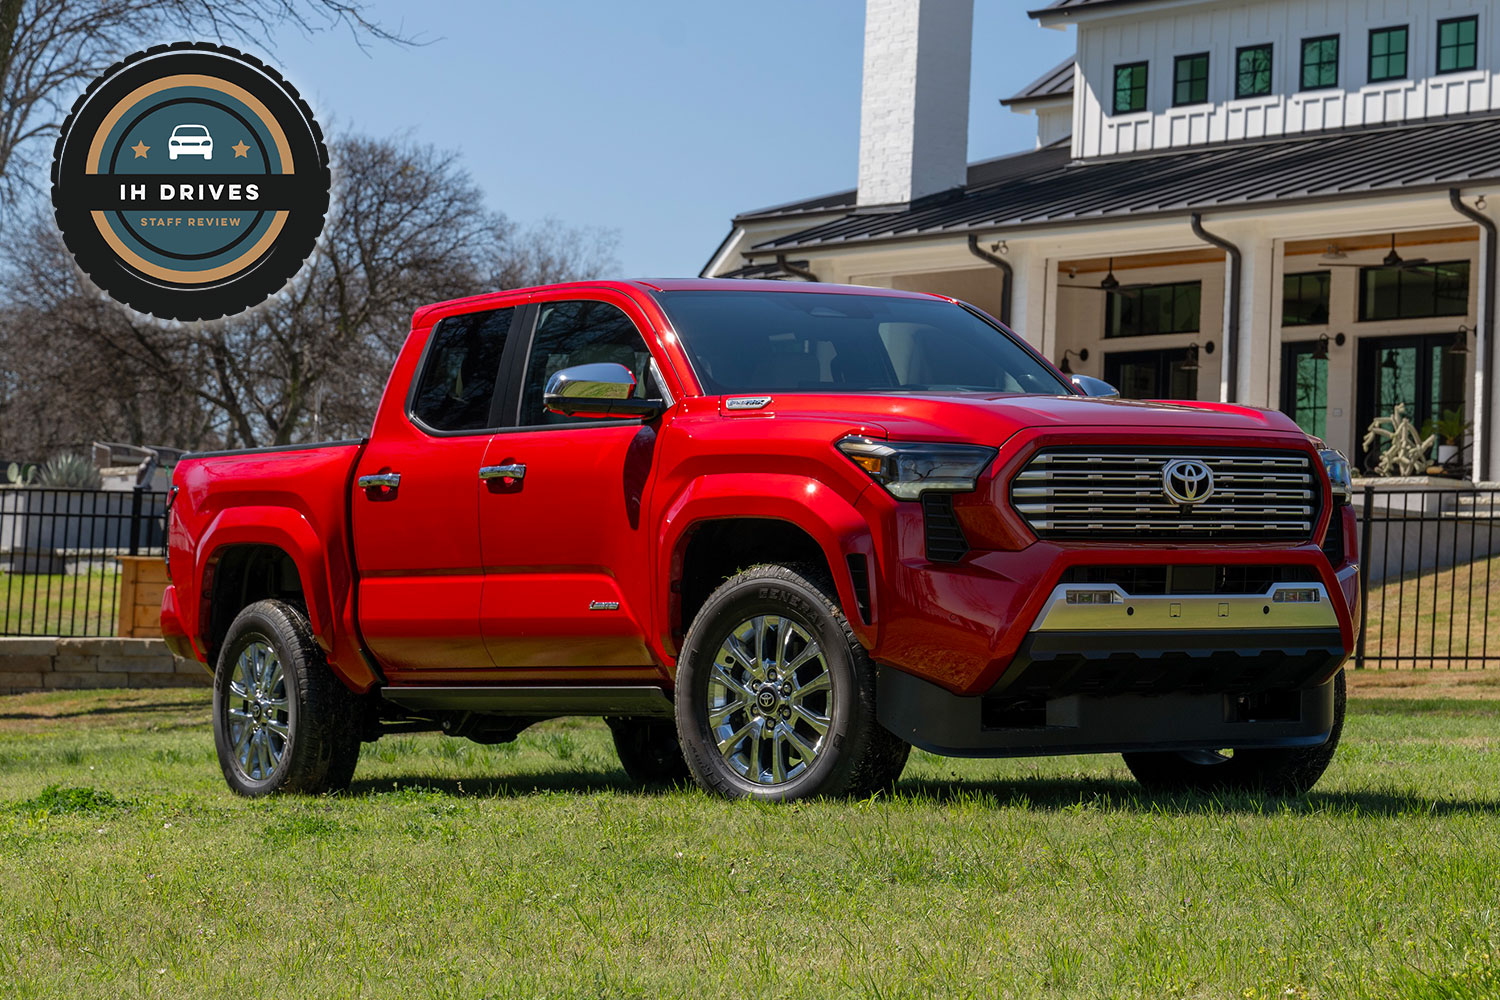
(776, 534)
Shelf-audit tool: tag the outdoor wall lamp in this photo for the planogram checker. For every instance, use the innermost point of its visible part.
(1190, 364)
(1320, 353)
(1067, 369)
(1460, 345)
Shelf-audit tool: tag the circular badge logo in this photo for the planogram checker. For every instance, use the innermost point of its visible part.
(190, 181)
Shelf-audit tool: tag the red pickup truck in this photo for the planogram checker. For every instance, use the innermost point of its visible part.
(776, 534)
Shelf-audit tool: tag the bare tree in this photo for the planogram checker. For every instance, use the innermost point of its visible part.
(409, 227)
(50, 50)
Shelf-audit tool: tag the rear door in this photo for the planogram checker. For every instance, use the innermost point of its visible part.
(567, 550)
(416, 502)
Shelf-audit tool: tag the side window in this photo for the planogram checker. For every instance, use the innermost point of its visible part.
(457, 384)
(581, 332)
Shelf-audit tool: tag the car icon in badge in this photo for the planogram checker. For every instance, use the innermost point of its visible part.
(191, 140)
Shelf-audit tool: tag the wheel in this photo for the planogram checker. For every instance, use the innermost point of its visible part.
(776, 698)
(1290, 771)
(282, 721)
(649, 750)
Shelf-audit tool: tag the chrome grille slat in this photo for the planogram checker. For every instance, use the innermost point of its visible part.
(1081, 493)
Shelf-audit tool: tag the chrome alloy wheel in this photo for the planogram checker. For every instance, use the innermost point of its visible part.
(256, 710)
(770, 700)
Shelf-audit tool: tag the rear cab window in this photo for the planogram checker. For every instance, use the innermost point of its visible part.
(454, 393)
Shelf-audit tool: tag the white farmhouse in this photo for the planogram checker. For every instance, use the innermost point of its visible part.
(1283, 203)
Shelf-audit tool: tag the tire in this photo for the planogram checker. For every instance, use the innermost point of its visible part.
(1291, 771)
(282, 721)
(727, 694)
(649, 750)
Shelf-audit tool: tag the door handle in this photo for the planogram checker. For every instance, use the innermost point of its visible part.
(514, 471)
(387, 479)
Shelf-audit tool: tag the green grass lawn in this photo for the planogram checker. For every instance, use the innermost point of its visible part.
(59, 603)
(530, 870)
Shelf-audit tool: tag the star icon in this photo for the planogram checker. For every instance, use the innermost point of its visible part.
(240, 149)
(140, 148)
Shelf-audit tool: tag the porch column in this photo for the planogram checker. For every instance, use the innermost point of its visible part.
(1030, 294)
(1486, 369)
(1258, 287)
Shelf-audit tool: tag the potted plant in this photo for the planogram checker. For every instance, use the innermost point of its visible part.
(1450, 428)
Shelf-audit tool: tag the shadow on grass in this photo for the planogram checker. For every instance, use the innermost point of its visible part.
(1038, 794)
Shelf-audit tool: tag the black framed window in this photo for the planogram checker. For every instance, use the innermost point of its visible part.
(1458, 44)
(1388, 54)
(581, 332)
(1420, 372)
(1165, 374)
(1130, 88)
(1320, 62)
(1414, 292)
(1252, 71)
(457, 387)
(1190, 79)
(1173, 308)
(1304, 299)
(1304, 386)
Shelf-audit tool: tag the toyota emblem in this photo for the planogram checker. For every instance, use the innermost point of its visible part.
(1187, 481)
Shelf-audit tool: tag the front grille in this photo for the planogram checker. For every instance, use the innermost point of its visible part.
(1097, 493)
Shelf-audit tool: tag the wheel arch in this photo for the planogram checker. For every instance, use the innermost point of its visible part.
(724, 523)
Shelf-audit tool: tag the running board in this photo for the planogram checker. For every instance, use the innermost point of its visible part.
(534, 700)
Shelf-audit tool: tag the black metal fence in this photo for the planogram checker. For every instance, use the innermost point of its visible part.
(58, 569)
(1430, 570)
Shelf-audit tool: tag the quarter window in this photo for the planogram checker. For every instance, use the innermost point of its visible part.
(1190, 79)
(1320, 62)
(1458, 47)
(457, 387)
(1130, 88)
(581, 332)
(1304, 299)
(1414, 292)
(1157, 309)
(1388, 54)
(1252, 71)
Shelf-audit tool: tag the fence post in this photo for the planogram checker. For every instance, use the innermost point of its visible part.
(1366, 531)
(135, 521)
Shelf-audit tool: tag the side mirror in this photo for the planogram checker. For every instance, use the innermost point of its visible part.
(597, 390)
(1090, 386)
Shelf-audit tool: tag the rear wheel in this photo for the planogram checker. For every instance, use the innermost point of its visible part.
(282, 721)
(1290, 771)
(775, 696)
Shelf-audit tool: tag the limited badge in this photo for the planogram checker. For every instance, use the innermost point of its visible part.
(190, 181)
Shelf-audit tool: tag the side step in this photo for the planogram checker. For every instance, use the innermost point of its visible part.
(534, 701)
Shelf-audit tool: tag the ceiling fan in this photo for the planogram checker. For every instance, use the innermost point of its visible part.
(1392, 259)
(1110, 285)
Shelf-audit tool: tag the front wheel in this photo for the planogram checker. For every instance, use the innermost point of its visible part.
(282, 721)
(776, 698)
(1290, 771)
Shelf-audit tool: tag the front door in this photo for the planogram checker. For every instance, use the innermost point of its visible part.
(1166, 374)
(416, 542)
(1421, 372)
(567, 549)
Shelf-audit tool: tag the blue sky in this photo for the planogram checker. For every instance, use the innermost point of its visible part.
(659, 119)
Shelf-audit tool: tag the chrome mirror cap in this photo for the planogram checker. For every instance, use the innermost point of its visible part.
(602, 389)
(1090, 386)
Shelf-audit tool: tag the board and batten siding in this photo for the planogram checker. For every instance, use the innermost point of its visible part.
(1160, 35)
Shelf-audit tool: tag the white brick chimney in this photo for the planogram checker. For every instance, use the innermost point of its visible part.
(914, 112)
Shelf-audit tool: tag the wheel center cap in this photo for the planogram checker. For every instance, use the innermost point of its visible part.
(766, 699)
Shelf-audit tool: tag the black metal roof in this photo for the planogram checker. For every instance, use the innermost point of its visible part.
(1068, 6)
(1056, 82)
(1047, 188)
(773, 270)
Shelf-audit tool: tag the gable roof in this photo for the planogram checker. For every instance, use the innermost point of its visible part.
(1056, 82)
(1045, 187)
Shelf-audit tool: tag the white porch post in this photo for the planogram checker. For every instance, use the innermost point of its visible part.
(1486, 433)
(1257, 329)
(1029, 293)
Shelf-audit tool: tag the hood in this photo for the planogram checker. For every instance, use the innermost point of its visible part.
(993, 418)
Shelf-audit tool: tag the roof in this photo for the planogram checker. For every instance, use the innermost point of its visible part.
(1066, 7)
(1056, 82)
(1045, 187)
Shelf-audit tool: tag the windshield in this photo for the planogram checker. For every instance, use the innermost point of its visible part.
(757, 341)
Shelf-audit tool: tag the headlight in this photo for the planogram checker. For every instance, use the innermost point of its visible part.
(907, 469)
(1340, 477)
